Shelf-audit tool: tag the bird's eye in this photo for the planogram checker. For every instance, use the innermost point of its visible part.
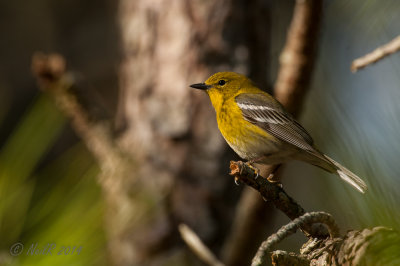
(221, 82)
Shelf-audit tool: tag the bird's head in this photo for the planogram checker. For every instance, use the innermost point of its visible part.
(224, 85)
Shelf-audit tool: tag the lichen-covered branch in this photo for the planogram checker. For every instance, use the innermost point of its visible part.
(375, 246)
(281, 257)
(304, 221)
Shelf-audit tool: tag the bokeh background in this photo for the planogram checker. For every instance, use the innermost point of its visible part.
(133, 61)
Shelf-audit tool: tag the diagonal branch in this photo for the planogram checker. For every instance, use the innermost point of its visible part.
(376, 55)
(274, 193)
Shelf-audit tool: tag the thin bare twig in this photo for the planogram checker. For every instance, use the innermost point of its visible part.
(50, 72)
(291, 228)
(376, 55)
(197, 246)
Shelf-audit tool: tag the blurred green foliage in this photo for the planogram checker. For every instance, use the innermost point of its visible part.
(58, 205)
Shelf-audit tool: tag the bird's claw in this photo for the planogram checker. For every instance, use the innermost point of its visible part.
(237, 181)
(271, 179)
(265, 199)
(255, 169)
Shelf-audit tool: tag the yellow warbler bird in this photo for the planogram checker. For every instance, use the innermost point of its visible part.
(259, 129)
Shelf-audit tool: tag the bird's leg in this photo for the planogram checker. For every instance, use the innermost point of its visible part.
(271, 179)
(256, 170)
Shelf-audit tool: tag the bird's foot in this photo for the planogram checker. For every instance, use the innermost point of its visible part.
(271, 179)
(255, 169)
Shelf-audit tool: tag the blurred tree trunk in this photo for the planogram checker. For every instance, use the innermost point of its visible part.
(168, 128)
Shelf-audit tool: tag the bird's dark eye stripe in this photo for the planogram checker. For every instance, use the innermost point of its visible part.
(221, 82)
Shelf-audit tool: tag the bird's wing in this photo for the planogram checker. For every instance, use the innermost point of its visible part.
(265, 112)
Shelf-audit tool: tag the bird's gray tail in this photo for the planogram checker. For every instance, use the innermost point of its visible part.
(348, 176)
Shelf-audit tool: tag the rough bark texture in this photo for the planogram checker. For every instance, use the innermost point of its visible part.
(375, 246)
(162, 55)
(169, 129)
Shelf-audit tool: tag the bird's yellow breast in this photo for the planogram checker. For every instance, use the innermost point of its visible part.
(247, 140)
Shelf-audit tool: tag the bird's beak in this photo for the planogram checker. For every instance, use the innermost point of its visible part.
(200, 86)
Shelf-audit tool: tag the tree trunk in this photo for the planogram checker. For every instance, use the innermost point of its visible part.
(169, 129)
